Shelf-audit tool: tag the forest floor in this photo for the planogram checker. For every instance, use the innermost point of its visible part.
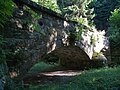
(44, 76)
(57, 74)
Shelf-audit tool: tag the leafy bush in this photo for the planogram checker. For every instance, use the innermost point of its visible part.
(41, 66)
(114, 20)
(114, 29)
(102, 9)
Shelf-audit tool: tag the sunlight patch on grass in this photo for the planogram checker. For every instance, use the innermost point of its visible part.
(100, 79)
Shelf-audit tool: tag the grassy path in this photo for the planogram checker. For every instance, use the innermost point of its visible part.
(59, 78)
(43, 73)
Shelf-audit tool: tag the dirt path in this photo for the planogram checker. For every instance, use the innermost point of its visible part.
(50, 77)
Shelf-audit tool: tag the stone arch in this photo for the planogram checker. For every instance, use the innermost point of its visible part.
(71, 57)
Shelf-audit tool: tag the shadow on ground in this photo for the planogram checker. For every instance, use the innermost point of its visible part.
(50, 77)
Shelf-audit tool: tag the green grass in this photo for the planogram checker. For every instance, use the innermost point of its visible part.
(99, 79)
(41, 66)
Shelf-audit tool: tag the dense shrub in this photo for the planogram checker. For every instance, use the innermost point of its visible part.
(102, 10)
(114, 29)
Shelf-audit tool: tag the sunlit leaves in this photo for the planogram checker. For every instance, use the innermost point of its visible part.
(77, 10)
(115, 18)
(50, 4)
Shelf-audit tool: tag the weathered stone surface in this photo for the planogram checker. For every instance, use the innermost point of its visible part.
(57, 32)
(27, 45)
(72, 57)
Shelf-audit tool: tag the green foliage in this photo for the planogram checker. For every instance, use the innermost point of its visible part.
(41, 66)
(50, 4)
(101, 79)
(102, 10)
(114, 29)
(114, 20)
(77, 10)
(79, 30)
(5, 10)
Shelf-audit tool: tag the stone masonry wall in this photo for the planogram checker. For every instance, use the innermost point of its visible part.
(26, 45)
(56, 32)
